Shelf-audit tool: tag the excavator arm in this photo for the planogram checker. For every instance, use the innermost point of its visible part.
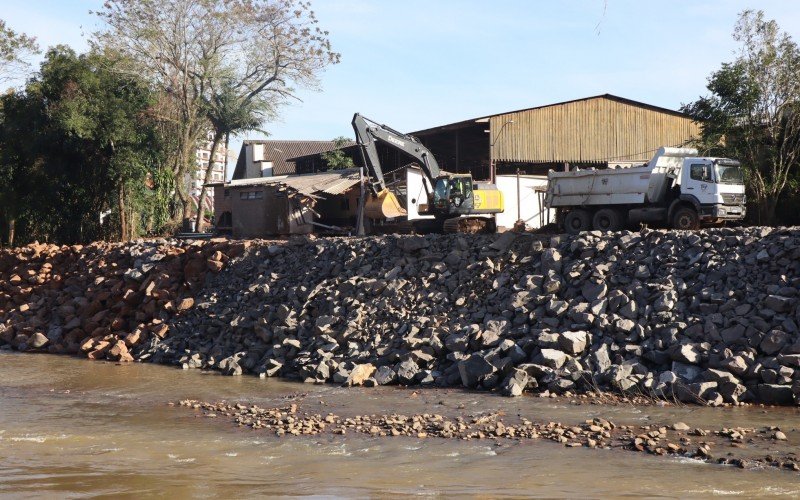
(368, 132)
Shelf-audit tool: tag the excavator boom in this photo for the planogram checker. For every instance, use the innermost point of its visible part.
(455, 198)
(368, 132)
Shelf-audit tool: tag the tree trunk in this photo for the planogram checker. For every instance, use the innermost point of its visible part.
(183, 192)
(227, 145)
(769, 207)
(198, 224)
(123, 217)
(12, 228)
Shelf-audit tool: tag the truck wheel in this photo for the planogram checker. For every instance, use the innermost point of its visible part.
(607, 219)
(577, 221)
(685, 218)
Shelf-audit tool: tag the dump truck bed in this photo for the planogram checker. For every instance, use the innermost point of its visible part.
(623, 186)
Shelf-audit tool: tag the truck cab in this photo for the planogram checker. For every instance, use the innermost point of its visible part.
(714, 187)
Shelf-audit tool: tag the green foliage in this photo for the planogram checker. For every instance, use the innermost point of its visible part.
(752, 111)
(337, 159)
(77, 143)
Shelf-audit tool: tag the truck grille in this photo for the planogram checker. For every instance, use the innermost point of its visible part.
(733, 199)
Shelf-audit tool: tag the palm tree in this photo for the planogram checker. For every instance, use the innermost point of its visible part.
(229, 114)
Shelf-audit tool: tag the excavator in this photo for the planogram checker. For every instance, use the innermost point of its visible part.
(457, 203)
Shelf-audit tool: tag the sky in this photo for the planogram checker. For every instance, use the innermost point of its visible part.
(415, 64)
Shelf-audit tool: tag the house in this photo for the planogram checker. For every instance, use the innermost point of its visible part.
(287, 204)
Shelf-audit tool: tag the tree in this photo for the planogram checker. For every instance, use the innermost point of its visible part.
(336, 159)
(229, 113)
(83, 131)
(753, 111)
(14, 50)
(188, 47)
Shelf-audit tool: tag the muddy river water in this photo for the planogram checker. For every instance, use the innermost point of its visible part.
(73, 428)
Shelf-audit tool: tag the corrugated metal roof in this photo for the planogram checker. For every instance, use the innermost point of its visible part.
(282, 154)
(335, 182)
(484, 119)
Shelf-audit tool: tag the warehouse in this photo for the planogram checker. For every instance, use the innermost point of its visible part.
(593, 131)
(516, 149)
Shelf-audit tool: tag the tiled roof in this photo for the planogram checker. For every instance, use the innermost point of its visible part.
(280, 153)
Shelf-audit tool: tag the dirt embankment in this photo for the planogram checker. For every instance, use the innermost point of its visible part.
(706, 317)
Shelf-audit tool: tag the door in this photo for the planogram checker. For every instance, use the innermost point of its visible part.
(700, 182)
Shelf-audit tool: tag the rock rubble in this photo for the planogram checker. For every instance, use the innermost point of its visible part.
(705, 317)
(679, 439)
(101, 300)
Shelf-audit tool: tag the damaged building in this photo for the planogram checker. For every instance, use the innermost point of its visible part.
(287, 204)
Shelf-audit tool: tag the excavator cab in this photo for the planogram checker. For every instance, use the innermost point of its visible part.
(453, 194)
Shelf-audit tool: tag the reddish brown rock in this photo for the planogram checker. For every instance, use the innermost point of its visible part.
(185, 304)
(214, 266)
(117, 350)
(134, 337)
(100, 350)
(160, 330)
(87, 344)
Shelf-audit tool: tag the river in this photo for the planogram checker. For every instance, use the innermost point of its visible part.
(74, 428)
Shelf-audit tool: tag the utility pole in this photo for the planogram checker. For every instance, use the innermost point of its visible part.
(361, 200)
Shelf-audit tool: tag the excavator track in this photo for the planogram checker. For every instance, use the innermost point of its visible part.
(468, 225)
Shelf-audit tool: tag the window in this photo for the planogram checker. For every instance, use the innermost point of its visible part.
(729, 174)
(440, 193)
(345, 204)
(701, 173)
(251, 195)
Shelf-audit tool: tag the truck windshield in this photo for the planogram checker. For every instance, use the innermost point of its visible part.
(729, 174)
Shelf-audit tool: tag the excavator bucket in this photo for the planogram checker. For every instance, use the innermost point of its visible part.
(384, 206)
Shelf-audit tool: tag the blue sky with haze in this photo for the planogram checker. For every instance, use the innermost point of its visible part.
(415, 64)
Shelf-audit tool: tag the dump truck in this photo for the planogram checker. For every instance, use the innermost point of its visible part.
(457, 202)
(675, 188)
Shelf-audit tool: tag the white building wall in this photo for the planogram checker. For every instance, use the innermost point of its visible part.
(531, 206)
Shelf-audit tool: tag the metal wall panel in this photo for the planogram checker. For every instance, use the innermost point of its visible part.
(598, 129)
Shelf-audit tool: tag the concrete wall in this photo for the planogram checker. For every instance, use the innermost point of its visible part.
(531, 207)
(254, 155)
(263, 211)
(222, 205)
(249, 215)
